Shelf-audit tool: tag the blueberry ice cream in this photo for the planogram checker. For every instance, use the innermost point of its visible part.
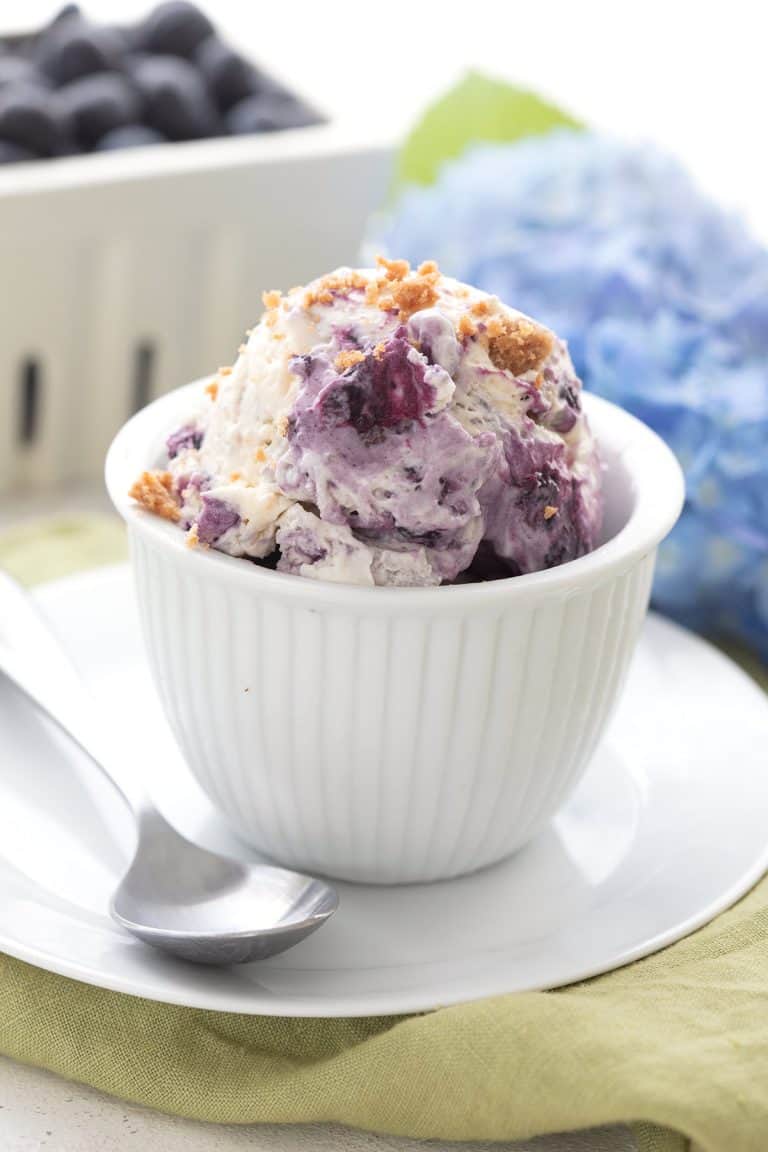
(388, 426)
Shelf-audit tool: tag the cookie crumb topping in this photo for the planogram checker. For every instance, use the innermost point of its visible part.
(550, 511)
(393, 269)
(153, 491)
(346, 359)
(516, 344)
(324, 290)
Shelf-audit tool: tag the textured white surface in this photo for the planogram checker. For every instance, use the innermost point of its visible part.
(40, 1112)
(380, 748)
(394, 735)
(169, 255)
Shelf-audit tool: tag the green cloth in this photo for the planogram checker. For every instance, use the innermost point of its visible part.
(677, 1043)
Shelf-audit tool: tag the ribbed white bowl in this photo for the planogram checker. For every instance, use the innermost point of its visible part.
(394, 735)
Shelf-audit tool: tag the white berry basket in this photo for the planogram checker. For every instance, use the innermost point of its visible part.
(391, 735)
(125, 274)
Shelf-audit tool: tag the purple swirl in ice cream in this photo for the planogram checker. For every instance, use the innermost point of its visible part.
(390, 427)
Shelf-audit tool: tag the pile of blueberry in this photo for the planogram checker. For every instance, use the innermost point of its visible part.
(78, 87)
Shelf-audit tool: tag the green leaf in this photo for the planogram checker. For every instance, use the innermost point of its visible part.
(478, 108)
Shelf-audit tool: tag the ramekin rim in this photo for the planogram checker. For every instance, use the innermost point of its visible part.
(659, 491)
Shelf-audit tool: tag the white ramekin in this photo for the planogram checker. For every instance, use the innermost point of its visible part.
(391, 735)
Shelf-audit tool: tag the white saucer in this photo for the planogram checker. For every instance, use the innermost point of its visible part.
(667, 829)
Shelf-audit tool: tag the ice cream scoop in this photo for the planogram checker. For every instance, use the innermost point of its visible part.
(388, 427)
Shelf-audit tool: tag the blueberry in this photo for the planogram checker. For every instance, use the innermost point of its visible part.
(175, 98)
(11, 153)
(95, 105)
(17, 69)
(28, 119)
(176, 27)
(72, 48)
(129, 136)
(230, 78)
(65, 13)
(270, 112)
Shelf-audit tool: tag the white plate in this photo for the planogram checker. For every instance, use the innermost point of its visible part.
(667, 829)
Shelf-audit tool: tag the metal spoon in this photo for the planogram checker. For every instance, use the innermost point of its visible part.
(176, 896)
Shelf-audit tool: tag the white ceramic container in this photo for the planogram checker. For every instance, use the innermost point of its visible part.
(125, 274)
(391, 735)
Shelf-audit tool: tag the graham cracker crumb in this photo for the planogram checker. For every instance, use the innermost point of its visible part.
(409, 296)
(325, 288)
(516, 344)
(212, 389)
(399, 291)
(317, 296)
(481, 307)
(192, 538)
(282, 425)
(379, 350)
(346, 359)
(259, 455)
(225, 371)
(466, 328)
(271, 299)
(153, 491)
(233, 476)
(550, 511)
(393, 269)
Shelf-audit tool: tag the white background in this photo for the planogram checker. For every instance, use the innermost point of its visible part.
(690, 76)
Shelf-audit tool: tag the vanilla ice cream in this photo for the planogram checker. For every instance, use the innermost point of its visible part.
(388, 426)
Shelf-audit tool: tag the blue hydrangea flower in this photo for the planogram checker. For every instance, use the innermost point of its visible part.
(663, 298)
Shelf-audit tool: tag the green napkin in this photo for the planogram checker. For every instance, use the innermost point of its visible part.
(676, 1043)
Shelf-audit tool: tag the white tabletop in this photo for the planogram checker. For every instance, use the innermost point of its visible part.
(39, 1111)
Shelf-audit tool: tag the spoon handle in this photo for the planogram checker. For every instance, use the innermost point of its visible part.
(32, 658)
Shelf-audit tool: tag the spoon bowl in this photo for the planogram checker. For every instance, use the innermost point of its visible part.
(209, 908)
(178, 897)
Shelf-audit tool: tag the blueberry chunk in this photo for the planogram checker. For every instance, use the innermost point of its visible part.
(27, 119)
(95, 105)
(72, 47)
(11, 153)
(65, 13)
(19, 70)
(176, 102)
(270, 112)
(129, 136)
(176, 27)
(230, 78)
